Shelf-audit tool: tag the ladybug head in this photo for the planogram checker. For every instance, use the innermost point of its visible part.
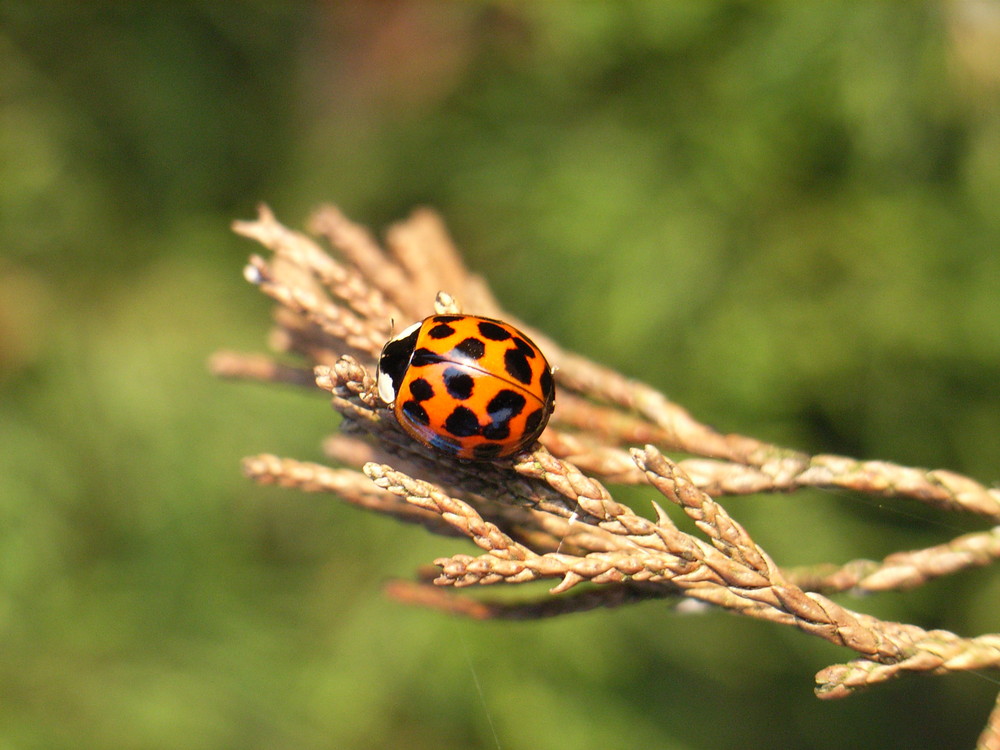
(393, 361)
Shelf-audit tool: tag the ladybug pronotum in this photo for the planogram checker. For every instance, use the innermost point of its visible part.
(467, 386)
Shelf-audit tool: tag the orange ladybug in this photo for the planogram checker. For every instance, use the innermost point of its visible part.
(467, 386)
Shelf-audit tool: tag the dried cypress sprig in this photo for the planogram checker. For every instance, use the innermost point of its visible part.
(547, 513)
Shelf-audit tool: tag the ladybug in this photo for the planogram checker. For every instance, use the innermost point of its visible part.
(467, 386)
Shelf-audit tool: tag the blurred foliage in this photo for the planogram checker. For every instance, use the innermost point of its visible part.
(785, 215)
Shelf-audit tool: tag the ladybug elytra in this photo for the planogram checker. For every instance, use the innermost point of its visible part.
(468, 386)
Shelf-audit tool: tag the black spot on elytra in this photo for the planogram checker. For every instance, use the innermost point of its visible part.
(517, 365)
(487, 450)
(446, 318)
(472, 348)
(524, 347)
(416, 413)
(458, 383)
(493, 332)
(548, 385)
(506, 405)
(534, 422)
(462, 422)
(441, 331)
(421, 390)
(497, 431)
(423, 357)
(502, 408)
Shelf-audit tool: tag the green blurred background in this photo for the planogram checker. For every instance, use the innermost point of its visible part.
(784, 215)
